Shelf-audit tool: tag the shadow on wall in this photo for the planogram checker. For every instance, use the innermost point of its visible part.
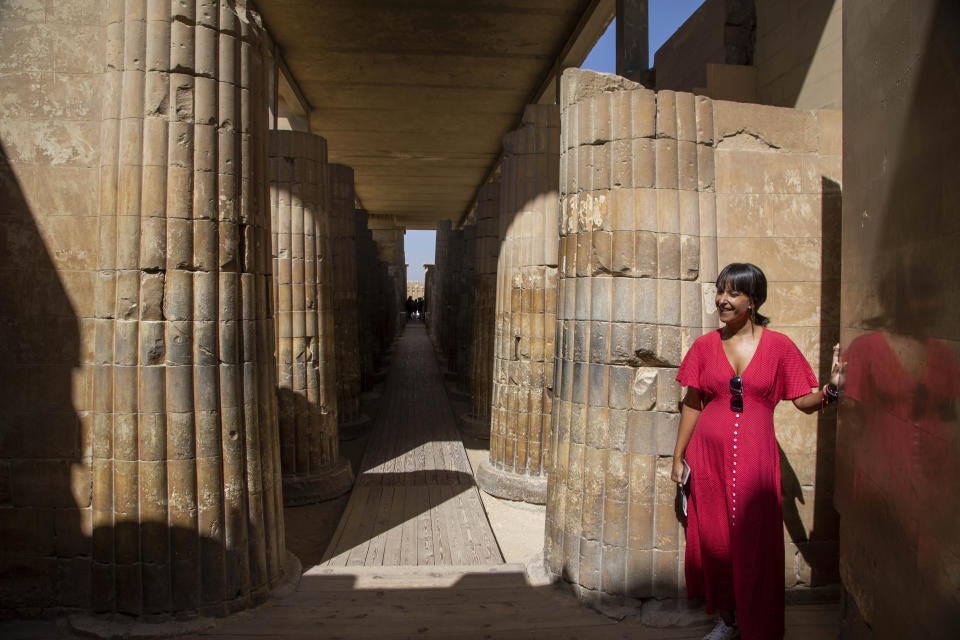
(818, 549)
(45, 555)
(806, 20)
(48, 439)
(898, 485)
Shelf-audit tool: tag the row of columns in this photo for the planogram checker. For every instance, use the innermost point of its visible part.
(228, 350)
(187, 499)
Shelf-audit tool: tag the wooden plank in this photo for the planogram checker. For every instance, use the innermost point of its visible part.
(409, 545)
(391, 552)
(364, 529)
(426, 545)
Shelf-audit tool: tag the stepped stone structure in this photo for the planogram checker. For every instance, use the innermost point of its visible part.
(345, 303)
(307, 374)
(658, 191)
(487, 247)
(526, 310)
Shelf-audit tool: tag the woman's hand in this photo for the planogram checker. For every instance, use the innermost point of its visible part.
(677, 473)
(837, 370)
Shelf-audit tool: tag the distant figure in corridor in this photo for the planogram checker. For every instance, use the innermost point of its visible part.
(410, 306)
(735, 376)
(420, 306)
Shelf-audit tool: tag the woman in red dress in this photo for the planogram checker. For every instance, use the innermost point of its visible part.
(735, 377)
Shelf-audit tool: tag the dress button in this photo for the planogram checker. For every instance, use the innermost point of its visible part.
(736, 424)
(734, 455)
(734, 433)
(734, 463)
(738, 415)
(734, 470)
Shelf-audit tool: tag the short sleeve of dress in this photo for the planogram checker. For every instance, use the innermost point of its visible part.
(795, 376)
(689, 373)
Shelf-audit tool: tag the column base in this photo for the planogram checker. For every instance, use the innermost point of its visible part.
(511, 486)
(168, 625)
(355, 428)
(328, 484)
(475, 427)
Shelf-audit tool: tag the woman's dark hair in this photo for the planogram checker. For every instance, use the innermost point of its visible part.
(748, 279)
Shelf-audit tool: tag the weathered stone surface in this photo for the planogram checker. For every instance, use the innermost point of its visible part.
(345, 302)
(487, 248)
(526, 310)
(301, 190)
(719, 182)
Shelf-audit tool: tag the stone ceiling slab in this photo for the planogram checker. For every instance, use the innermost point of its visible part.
(416, 95)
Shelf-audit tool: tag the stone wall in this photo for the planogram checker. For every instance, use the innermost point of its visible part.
(720, 32)
(51, 65)
(658, 192)
(798, 54)
(526, 310)
(307, 373)
(898, 448)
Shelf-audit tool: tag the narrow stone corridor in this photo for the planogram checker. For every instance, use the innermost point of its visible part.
(414, 501)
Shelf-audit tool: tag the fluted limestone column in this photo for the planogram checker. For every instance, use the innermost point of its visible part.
(466, 291)
(366, 289)
(630, 303)
(526, 310)
(452, 277)
(187, 504)
(312, 467)
(477, 421)
(436, 302)
(345, 303)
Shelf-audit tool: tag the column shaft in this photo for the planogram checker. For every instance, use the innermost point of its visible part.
(526, 310)
(187, 510)
(306, 363)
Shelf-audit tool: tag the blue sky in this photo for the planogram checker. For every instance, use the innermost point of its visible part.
(666, 16)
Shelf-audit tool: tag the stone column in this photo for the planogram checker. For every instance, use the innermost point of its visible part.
(477, 421)
(452, 276)
(345, 303)
(466, 292)
(312, 467)
(526, 310)
(187, 504)
(436, 301)
(366, 289)
(389, 241)
(629, 304)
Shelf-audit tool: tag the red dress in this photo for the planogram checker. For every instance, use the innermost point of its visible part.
(734, 554)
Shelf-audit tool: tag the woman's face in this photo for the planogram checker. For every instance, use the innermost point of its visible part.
(732, 305)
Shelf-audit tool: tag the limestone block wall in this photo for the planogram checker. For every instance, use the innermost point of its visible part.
(307, 375)
(51, 64)
(487, 249)
(344, 251)
(658, 190)
(778, 205)
(799, 53)
(526, 310)
(187, 506)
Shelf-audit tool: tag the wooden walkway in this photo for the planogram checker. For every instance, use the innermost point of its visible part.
(415, 501)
